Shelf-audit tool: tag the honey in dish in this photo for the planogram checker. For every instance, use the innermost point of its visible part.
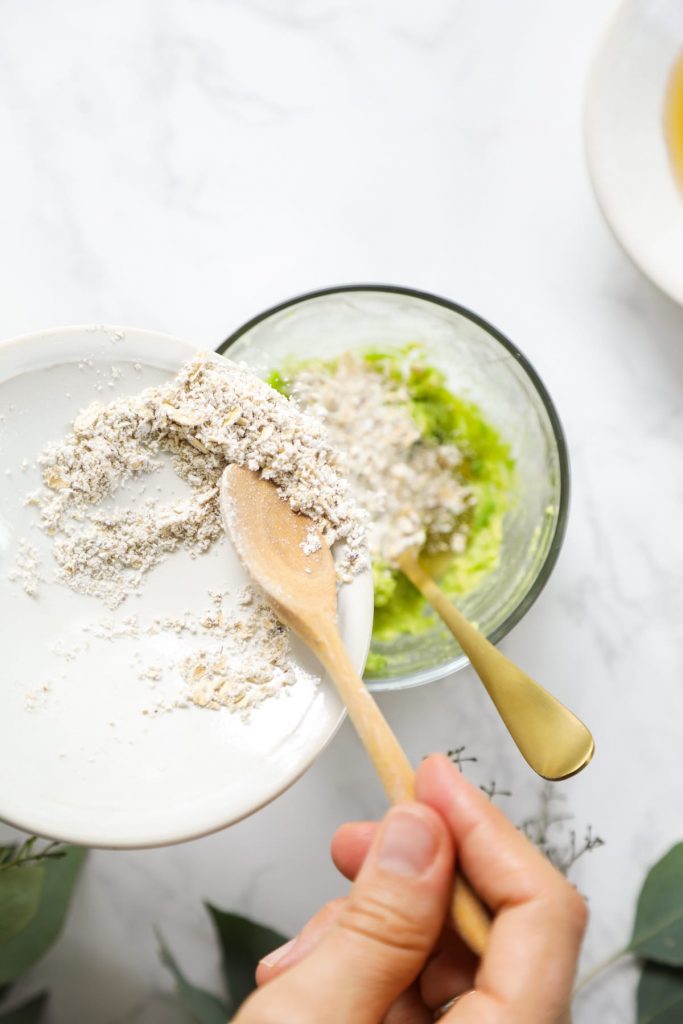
(673, 120)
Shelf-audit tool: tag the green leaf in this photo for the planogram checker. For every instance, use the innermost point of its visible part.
(660, 995)
(28, 1013)
(24, 949)
(243, 944)
(658, 929)
(20, 889)
(204, 1007)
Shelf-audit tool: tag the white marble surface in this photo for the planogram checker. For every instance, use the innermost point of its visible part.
(182, 166)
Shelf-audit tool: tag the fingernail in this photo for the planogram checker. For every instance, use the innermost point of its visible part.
(407, 845)
(278, 954)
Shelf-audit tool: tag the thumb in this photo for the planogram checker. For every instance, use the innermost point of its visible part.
(386, 929)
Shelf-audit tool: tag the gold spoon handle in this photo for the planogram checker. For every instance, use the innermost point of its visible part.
(552, 740)
(469, 915)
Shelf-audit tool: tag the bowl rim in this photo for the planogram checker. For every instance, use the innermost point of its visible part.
(446, 668)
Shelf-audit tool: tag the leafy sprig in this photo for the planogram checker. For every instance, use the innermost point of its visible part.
(657, 943)
(14, 856)
(36, 885)
(243, 944)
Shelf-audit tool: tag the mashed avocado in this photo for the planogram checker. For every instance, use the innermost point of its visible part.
(487, 468)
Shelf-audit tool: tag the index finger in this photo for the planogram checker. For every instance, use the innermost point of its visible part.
(530, 962)
(350, 845)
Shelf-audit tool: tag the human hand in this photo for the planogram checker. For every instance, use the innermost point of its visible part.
(382, 954)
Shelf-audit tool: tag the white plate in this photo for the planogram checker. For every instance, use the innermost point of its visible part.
(627, 152)
(81, 762)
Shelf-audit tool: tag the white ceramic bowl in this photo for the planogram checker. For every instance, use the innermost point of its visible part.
(625, 140)
(85, 765)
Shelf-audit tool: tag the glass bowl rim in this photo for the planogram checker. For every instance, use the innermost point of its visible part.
(446, 668)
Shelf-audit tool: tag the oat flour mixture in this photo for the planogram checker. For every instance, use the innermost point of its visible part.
(425, 462)
(412, 489)
(212, 414)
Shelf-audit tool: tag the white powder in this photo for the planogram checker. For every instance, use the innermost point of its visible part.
(252, 662)
(37, 699)
(311, 543)
(409, 485)
(245, 656)
(152, 673)
(212, 414)
(69, 653)
(27, 569)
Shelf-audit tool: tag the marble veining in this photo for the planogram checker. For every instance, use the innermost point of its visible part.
(181, 167)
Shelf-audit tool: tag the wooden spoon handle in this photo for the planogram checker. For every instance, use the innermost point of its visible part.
(396, 774)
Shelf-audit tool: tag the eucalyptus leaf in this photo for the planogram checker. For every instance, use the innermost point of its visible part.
(658, 929)
(204, 1007)
(660, 995)
(20, 889)
(28, 1013)
(24, 949)
(243, 943)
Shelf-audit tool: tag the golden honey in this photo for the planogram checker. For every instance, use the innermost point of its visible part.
(673, 120)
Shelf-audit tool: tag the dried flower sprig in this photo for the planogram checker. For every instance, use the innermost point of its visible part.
(493, 791)
(546, 829)
(457, 756)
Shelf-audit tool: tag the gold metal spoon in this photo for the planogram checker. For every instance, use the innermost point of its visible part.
(550, 737)
(302, 590)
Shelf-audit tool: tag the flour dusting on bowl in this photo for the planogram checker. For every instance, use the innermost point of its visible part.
(212, 414)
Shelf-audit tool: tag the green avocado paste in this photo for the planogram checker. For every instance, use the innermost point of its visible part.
(424, 461)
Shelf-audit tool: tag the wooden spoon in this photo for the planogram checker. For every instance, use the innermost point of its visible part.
(302, 589)
(552, 740)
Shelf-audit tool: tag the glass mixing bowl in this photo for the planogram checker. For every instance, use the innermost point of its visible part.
(481, 365)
